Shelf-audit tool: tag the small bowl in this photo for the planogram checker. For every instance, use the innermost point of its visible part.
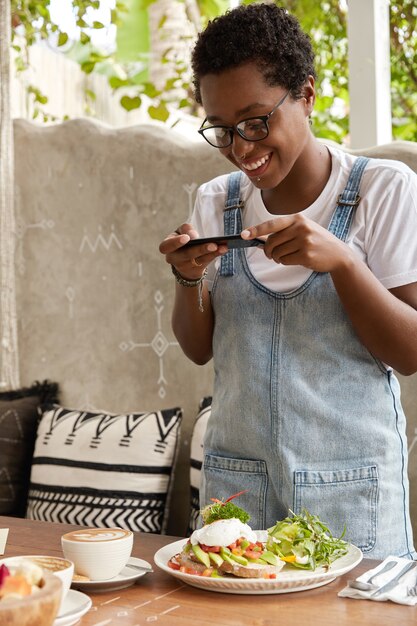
(62, 568)
(40, 608)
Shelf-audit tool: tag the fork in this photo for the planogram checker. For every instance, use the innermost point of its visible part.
(394, 582)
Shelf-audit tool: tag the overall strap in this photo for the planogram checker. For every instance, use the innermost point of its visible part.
(231, 220)
(348, 201)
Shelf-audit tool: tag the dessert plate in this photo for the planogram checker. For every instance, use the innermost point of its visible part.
(288, 579)
(76, 604)
(135, 568)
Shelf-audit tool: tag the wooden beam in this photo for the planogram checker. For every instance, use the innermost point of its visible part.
(369, 72)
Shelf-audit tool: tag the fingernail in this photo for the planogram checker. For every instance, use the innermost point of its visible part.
(245, 233)
(211, 247)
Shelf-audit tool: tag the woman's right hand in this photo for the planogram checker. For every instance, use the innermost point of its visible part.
(189, 262)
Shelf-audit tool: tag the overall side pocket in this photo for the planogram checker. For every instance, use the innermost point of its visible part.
(224, 476)
(343, 498)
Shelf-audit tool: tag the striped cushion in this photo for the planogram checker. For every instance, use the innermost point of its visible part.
(103, 470)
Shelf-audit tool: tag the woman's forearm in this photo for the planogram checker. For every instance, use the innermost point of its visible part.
(193, 328)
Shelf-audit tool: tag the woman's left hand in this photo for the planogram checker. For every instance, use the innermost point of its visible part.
(297, 240)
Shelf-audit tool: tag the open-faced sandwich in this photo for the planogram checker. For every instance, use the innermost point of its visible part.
(226, 545)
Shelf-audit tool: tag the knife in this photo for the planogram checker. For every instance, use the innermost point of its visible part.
(392, 583)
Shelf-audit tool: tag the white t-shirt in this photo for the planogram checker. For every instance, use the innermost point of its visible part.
(383, 231)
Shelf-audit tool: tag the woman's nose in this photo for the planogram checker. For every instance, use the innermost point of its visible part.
(240, 147)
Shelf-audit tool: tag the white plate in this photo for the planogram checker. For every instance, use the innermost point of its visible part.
(287, 580)
(76, 604)
(127, 577)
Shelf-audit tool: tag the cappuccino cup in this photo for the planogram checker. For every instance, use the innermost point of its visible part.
(98, 553)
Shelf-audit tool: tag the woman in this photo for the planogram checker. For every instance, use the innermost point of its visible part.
(304, 330)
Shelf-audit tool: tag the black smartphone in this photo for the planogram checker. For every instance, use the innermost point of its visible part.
(232, 241)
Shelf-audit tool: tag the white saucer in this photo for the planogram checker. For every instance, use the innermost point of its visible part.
(127, 577)
(76, 604)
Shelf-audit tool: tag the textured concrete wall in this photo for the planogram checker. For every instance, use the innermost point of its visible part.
(94, 294)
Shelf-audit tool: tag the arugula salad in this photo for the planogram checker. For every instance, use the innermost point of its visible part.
(305, 541)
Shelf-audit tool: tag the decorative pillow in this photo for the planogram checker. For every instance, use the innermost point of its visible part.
(19, 417)
(196, 461)
(103, 470)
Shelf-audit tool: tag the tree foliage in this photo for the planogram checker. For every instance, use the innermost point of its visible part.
(32, 23)
(324, 20)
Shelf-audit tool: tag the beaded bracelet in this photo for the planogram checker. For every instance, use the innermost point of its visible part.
(198, 282)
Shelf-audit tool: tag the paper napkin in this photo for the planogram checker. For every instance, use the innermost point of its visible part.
(3, 538)
(399, 594)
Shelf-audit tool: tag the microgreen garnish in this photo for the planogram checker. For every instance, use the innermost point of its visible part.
(224, 510)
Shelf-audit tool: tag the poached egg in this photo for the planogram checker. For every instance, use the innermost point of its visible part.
(223, 532)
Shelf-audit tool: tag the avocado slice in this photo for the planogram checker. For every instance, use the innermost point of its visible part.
(215, 558)
(202, 556)
(226, 555)
(239, 559)
(269, 557)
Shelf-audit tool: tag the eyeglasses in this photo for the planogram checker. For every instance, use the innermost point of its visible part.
(251, 129)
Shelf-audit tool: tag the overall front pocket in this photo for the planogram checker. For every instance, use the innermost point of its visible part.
(224, 476)
(341, 498)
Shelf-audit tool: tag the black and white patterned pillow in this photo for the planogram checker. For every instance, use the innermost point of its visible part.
(196, 461)
(103, 470)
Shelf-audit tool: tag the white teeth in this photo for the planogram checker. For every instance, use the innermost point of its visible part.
(256, 164)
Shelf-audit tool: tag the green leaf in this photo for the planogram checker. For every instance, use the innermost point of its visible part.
(88, 66)
(98, 25)
(62, 38)
(129, 103)
(162, 21)
(115, 82)
(90, 94)
(84, 38)
(150, 90)
(159, 112)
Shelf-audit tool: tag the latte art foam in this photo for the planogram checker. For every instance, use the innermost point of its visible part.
(89, 535)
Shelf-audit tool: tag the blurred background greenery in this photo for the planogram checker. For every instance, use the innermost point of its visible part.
(145, 53)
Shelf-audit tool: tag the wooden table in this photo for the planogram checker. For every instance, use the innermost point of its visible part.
(159, 599)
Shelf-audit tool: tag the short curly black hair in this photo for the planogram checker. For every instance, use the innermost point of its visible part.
(262, 33)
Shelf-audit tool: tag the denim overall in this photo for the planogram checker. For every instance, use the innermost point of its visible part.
(303, 416)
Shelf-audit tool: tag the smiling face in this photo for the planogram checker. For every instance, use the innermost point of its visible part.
(242, 92)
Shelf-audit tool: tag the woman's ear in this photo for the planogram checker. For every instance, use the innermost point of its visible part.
(309, 94)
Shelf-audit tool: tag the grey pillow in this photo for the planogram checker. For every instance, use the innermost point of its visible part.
(19, 417)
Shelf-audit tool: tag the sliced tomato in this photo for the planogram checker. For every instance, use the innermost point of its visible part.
(252, 554)
(207, 572)
(209, 548)
(173, 565)
(190, 570)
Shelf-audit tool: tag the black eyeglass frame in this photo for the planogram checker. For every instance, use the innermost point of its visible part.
(232, 129)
